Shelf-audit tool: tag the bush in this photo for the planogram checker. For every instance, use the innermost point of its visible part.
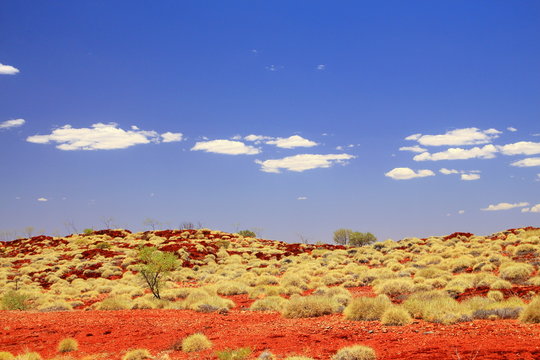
(228, 288)
(516, 272)
(531, 314)
(342, 236)
(270, 303)
(236, 354)
(356, 352)
(67, 345)
(367, 308)
(196, 342)
(137, 354)
(201, 301)
(437, 307)
(247, 233)
(308, 306)
(156, 264)
(13, 300)
(29, 356)
(4, 355)
(361, 239)
(394, 287)
(396, 316)
(114, 303)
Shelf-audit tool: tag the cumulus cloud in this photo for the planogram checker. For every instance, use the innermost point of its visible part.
(527, 162)
(415, 148)
(301, 198)
(521, 148)
(171, 137)
(321, 67)
(292, 142)
(469, 177)
(8, 124)
(228, 147)
(535, 209)
(256, 138)
(42, 199)
(97, 137)
(485, 152)
(466, 136)
(8, 70)
(461, 212)
(407, 173)
(446, 171)
(303, 162)
(505, 206)
(511, 129)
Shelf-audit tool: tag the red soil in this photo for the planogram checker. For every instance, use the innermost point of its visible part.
(114, 332)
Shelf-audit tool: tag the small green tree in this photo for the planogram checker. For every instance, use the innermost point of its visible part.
(342, 236)
(155, 265)
(247, 233)
(361, 239)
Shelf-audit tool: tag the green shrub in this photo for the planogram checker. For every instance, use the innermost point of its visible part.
(234, 354)
(156, 264)
(396, 316)
(247, 233)
(361, 239)
(367, 308)
(14, 300)
(356, 352)
(137, 354)
(67, 345)
(196, 342)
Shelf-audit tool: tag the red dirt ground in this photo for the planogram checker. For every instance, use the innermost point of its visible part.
(114, 332)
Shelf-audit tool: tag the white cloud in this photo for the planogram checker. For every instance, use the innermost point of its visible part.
(292, 142)
(527, 162)
(42, 199)
(485, 152)
(8, 124)
(98, 137)
(521, 148)
(301, 198)
(321, 67)
(536, 208)
(171, 137)
(525, 210)
(505, 206)
(340, 148)
(303, 162)
(446, 171)
(8, 70)
(469, 177)
(407, 173)
(415, 148)
(511, 129)
(228, 147)
(256, 138)
(461, 212)
(466, 136)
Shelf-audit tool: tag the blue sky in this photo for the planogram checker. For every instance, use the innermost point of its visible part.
(401, 118)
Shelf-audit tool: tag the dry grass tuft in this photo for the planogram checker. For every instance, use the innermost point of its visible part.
(196, 342)
(356, 352)
(68, 345)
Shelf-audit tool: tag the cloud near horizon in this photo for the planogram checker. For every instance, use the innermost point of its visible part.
(407, 173)
(8, 124)
(303, 162)
(534, 209)
(457, 137)
(227, 147)
(100, 137)
(8, 70)
(505, 206)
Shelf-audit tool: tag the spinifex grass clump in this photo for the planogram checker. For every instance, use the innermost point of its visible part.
(196, 342)
(356, 352)
(137, 354)
(67, 345)
(234, 354)
(309, 306)
(531, 314)
(367, 308)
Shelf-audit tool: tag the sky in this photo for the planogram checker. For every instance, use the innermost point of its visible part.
(292, 118)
